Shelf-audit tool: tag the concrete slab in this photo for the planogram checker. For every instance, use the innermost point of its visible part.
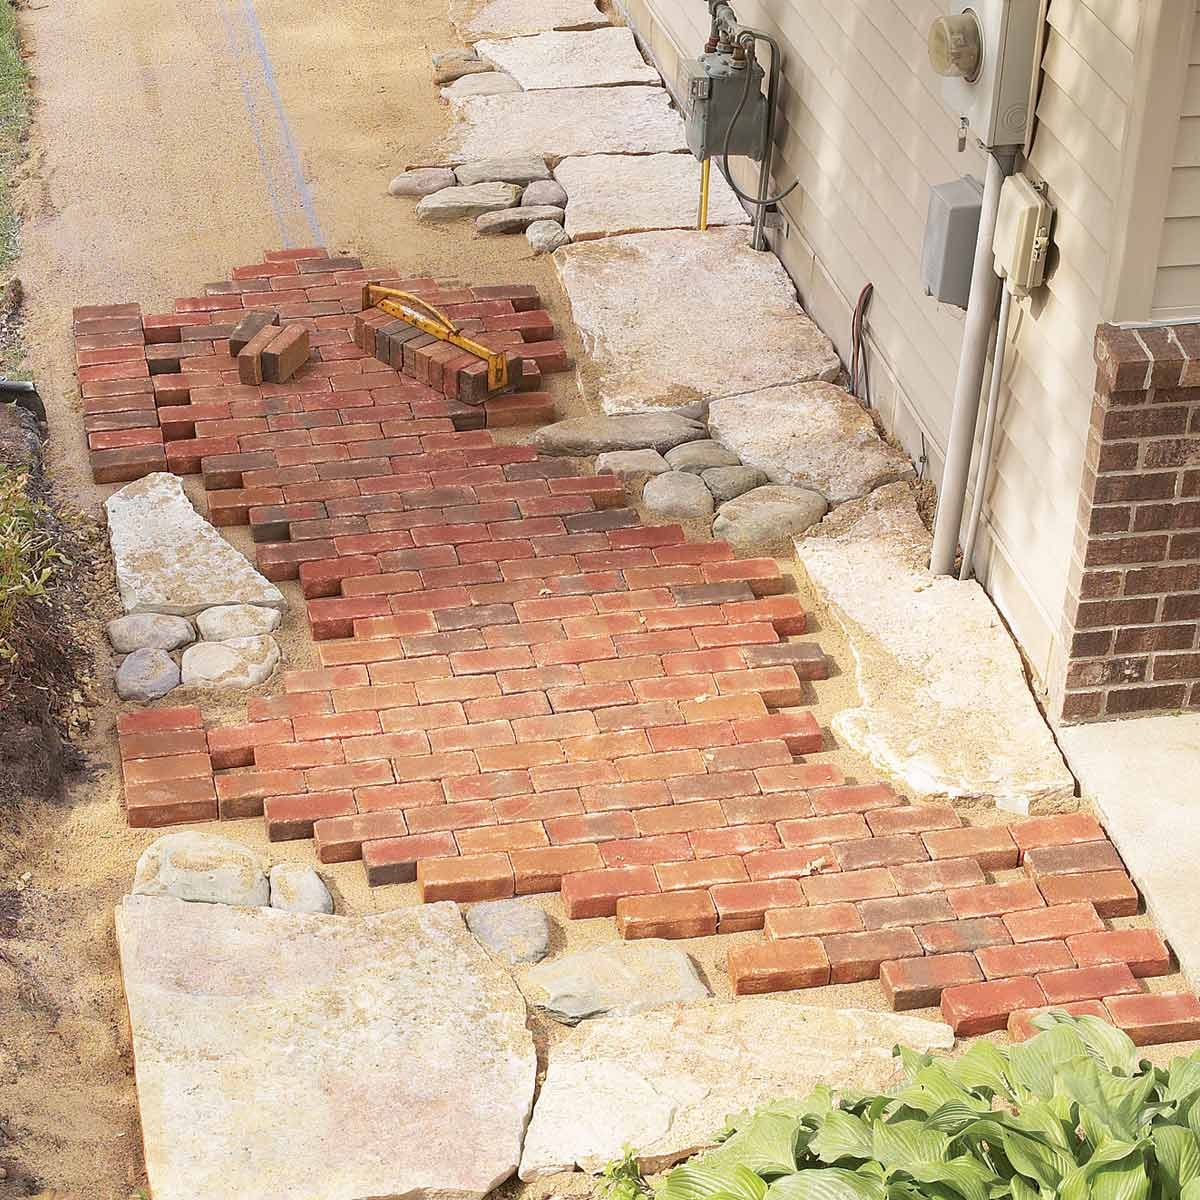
(286, 1056)
(673, 317)
(565, 121)
(475, 19)
(664, 1082)
(1141, 776)
(945, 710)
(613, 194)
(596, 58)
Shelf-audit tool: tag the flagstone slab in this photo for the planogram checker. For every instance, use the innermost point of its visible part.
(945, 709)
(289, 1056)
(597, 58)
(614, 194)
(657, 312)
(565, 121)
(475, 19)
(663, 1082)
(169, 559)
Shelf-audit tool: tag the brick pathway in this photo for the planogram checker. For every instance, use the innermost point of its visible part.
(523, 689)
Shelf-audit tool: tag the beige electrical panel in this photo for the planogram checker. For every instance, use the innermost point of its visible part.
(1022, 239)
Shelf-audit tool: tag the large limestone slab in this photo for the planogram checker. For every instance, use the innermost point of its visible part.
(945, 707)
(657, 311)
(169, 559)
(664, 1082)
(598, 58)
(613, 194)
(475, 19)
(812, 434)
(565, 121)
(288, 1056)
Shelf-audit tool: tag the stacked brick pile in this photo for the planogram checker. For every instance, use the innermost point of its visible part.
(523, 689)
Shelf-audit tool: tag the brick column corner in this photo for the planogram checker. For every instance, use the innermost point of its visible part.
(1133, 596)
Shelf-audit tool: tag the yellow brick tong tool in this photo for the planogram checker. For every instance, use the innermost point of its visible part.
(424, 316)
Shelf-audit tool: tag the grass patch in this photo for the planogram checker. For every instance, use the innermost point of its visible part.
(28, 557)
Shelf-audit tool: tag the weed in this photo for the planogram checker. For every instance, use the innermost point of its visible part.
(622, 1179)
(28, 559)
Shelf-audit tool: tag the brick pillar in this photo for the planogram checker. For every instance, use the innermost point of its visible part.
(1133, 601)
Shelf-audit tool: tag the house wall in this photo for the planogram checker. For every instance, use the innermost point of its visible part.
(864, 128)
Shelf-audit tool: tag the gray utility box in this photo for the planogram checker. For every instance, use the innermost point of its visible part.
(710, 88)
(951, 228)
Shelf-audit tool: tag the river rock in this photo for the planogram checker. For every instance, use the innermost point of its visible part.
(635, 431)
(203, 868)
(602, 120)
(150, 631)
(517, 931)
(677, 494)
(453, 202)
(595, 58)
(298, 1055)
(297, 888)
(698, 457)
(614, 980)
(926, 648)
(512, 168)
(656, 312)
(545, 191)
(812, 434)
(727, 483)
(764, 520)
(518, 18)
(484, 83)
(631, 464)
(236, 620)
(241, 662)
(169, 559)
(517, 220)
(665, 1082)
(421, 181)
(546, 236)
(146, 675)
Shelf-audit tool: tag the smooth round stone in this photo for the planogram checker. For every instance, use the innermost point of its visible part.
(631, 464)
(453, 202)
(146, 675)
(546, 236)
(297, 888)
(516, 220)
(421, 181)
(727, 483)
(236, 621)
(677, 494)
(631, 431)
(512, 168)
(766, 519)
(545, 191)
(237, 664)
(202, 868)
(516, 930)
(700, 456)
(149, 631)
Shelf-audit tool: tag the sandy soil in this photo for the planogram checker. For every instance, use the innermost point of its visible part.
(157, 163)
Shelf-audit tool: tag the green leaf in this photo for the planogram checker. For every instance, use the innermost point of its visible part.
(841, 1135)
(690, 1182)
(829, 1183)
(983, 1069)
(766, 1144)
(964, 1175)
(1033, 1064)
(1178, 1154)
(905, 1144)
(1183, 1079)
(1111, 1048)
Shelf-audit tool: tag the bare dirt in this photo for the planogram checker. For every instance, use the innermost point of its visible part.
(158, 162)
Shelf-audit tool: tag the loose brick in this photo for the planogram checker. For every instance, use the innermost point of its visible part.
(340, 839)
(1111, 893)
(1021, 1027)
(1079, 858)
(1142, 950)
(249, 359)
(394, 860)
(153, 805)
(953, 937)
(1030, 958)
(742, 906)
(595, 893)
(292, 817)
(1057, 921)
(854, 957)
(163, 770)
(674, 915)
(1062, 830)
(252, 323)
(1150, 1020)
(778, 966)
(975, 1008)
(543, 870)
(164, 743)
(1088, 983)
(919, 982)
(812, 922)
(859, 798)
(466, 879)
(990, 846)
(912, 818)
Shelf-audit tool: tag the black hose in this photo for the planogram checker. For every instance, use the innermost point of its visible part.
(724, 160)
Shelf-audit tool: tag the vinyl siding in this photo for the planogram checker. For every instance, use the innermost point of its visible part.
(864, 127)
(1177, 281)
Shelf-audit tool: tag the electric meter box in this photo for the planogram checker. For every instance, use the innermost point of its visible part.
(951, 229)
(1022, 239)
(710, 89)
(996, 99)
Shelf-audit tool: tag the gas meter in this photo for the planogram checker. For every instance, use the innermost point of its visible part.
(710, 88)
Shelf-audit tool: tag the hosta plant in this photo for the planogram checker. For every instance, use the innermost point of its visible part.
(1071, 1114)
